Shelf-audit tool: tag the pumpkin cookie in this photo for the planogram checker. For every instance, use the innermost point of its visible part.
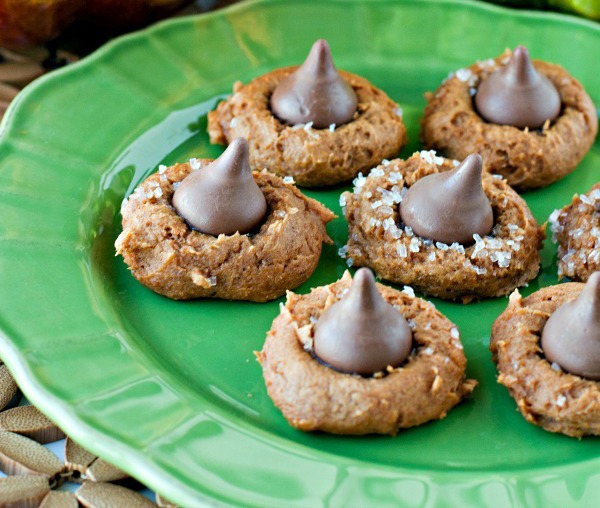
(576, 228)
(527, 157)
(177, 260)
(314, 395)
(547, 349)
(327, 155)
(490, 265)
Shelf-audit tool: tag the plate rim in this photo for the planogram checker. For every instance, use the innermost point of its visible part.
(33, 388)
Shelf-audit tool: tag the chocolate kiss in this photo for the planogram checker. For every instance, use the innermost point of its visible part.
(451, 206)
(315, 92)
(518, 95)
(571, 337)
(223, 197)
(362, 333)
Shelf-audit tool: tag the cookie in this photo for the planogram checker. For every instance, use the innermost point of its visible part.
(179, 262)
(545, 395)
(491, 266)
(576, 228)
(526, 158)
(313, 396)
(313, 157)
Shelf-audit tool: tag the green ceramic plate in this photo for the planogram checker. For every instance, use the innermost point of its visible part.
(170, 391)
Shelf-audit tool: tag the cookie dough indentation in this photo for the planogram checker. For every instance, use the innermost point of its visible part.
(312, 396)
(223, 197)
(571, 337)
(518, 95)
(362, 333)
(489, 266)
(313, 157)
(315, 93)
(545, 395)
(174, 260)
(451, 206)
(526, 158)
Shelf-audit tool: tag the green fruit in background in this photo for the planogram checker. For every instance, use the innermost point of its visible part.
(523, 4)
(588, 8)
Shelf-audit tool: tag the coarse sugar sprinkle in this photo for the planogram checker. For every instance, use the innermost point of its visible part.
(555, 226)
(359, 183)
(466, 76)
(407, 290)
(414, 245)
(431, 157)
(401, 249)
(343, 252)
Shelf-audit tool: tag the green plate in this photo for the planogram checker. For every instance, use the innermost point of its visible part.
(170, 391)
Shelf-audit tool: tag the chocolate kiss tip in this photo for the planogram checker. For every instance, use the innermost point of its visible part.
(468, 176)
(594, 278)
(362, 333)
(318, 63)
(315, 92)
(321, 46)
(571, 336)
(592, 288)
(518, 95)
(460, 207)
(520, 69)
(235, 159)
(521, 50)
(363, 276)
(364, 288)
(472, 164)
(223, 197)
(239, 144)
